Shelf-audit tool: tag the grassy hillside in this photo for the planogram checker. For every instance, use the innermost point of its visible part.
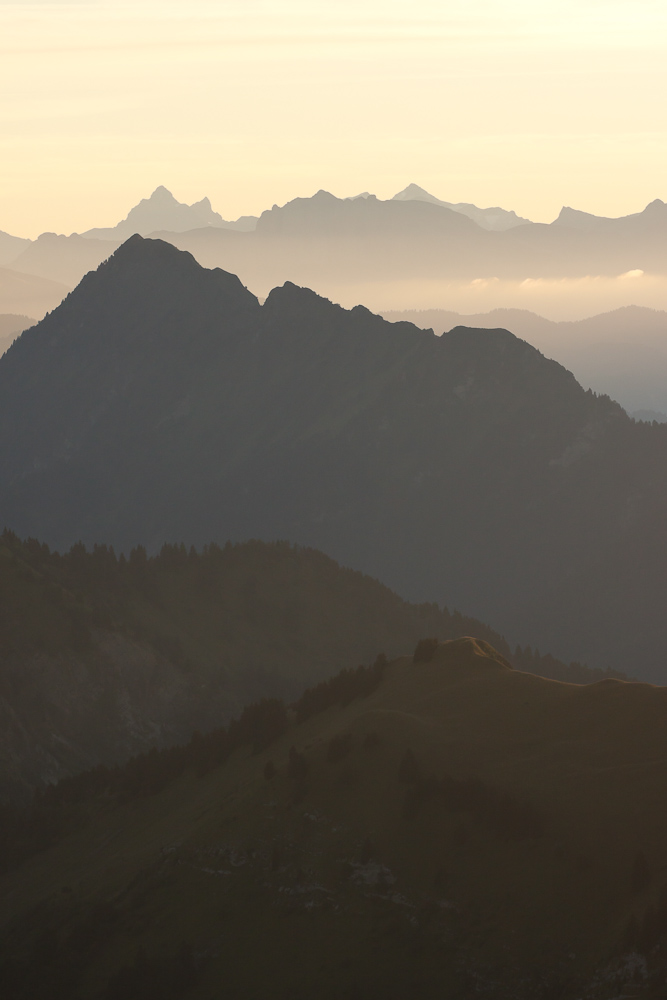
(101, 657)
(457, 829)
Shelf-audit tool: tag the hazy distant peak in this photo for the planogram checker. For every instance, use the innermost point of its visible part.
(415, 193)
(164, 213)
(655, 207)
(584, 221)
(574, 219)
(160, 193)
(495, 219)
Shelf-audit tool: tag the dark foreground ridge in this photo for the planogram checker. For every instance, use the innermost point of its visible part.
(103, 657)
(161, 401)
(441, 825)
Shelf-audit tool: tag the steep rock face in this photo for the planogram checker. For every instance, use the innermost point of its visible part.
(161, 402)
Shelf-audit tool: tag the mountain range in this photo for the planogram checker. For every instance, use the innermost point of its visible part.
(162, 402)
(337, 245)
(622, 354)
(495, 219)
(162, 211)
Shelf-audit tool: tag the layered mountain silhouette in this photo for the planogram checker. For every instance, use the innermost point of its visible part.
(621, 353)
(161, 402)
(101, 657)
(330, 243)
(495, 219)
(163, 212)
(64, 259)
(10, 248)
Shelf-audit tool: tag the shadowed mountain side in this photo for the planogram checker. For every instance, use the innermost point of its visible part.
(101, 658)
(621, 353)
(161, 401)
(441, 826)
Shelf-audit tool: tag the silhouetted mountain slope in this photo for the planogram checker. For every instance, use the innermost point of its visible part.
(161, 402)
(441, 826)
(324, 216)
(403, 250)
(326, 240)
(163, 212)
(652, 218)
(495, 219)
(622, 354)
(101, 658)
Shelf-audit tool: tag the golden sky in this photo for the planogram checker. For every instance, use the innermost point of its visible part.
(514, 103)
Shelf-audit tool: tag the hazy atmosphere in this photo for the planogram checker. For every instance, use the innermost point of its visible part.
(333, 500)
(526, 106)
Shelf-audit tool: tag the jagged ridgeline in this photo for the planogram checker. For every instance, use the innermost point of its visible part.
(161, 401)
(101, 657)
(437, 825)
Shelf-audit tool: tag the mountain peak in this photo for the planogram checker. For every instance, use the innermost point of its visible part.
(161, 193)
(496, 219)
(413, 192)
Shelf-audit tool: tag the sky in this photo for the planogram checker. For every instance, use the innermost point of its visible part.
(514, 103)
